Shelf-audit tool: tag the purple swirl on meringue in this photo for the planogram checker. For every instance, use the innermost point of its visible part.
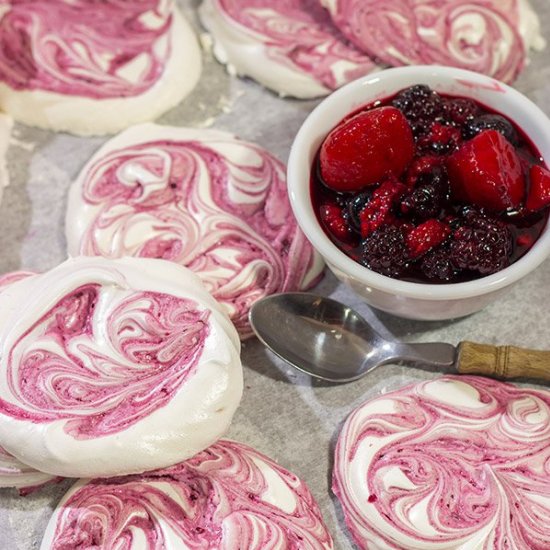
(217, 205)
(103, 376)
(226, 497)
(457, 462)
(479, 35)
(92, 48)
(300, 34)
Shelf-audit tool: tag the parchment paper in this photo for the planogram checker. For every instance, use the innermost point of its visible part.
(283, 414)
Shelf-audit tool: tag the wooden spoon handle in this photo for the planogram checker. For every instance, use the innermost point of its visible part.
(502, 361)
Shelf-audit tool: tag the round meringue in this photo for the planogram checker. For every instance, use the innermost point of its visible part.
(114, 366)
(201, 198)
(488, 36)
(13, 473)
(94, 68)
(12, 277)
(457, 463)
(289, 46)
(227, 497)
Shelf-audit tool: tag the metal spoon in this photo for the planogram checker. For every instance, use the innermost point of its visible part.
(331, 341)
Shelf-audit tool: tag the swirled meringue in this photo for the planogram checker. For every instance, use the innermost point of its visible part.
(91, 67)
(114, 366)
(13, 473)
(12, 277)
(452, 463)
(201, 198)
(228, 497)
(289, 46)
(488, 36)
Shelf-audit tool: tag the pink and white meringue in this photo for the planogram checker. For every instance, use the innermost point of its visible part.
(90, 67)
(227, 497)
(456, 463)
(289, 46)
(114, 366)
(201, 198)
(492, 37)
(13, 473)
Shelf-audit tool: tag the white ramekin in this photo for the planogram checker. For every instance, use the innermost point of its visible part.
(402, 298)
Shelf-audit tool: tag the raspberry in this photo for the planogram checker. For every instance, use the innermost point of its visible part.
(539, 190)
(525, 240)
(426, 236)
(421, 105)
(421, 165)
(430, 195)
(481, 244)
(331, 216)
(379, 210)
(490, 122)
(385, 251)
(441, 140)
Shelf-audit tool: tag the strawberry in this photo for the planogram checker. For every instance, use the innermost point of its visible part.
(426, 236)
(539, 190)
(366, 148)
(378, 210)
(331, 216)
(486, 171)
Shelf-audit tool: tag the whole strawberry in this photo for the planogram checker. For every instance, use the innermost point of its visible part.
(366, 149)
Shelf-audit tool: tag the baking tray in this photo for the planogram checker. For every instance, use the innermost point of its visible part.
(284, 414)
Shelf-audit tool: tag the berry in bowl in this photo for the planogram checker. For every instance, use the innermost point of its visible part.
(425, 188)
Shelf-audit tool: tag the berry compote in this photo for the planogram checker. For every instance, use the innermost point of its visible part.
(430, 188)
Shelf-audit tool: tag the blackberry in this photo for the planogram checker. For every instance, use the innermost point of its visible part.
(481, 243)
(437, 265)
(459, 111)
(385, 251)
(481, 123)
(422, 106)
(429, 196)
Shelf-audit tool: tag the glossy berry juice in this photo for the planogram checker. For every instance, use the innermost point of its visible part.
(430, 188)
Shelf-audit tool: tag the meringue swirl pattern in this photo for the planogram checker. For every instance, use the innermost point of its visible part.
(290, 46)
(94, 67)
(488, 36)
(452, 463)
(201, 198)
(13, 473)
(111, 367)
(227, 497)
